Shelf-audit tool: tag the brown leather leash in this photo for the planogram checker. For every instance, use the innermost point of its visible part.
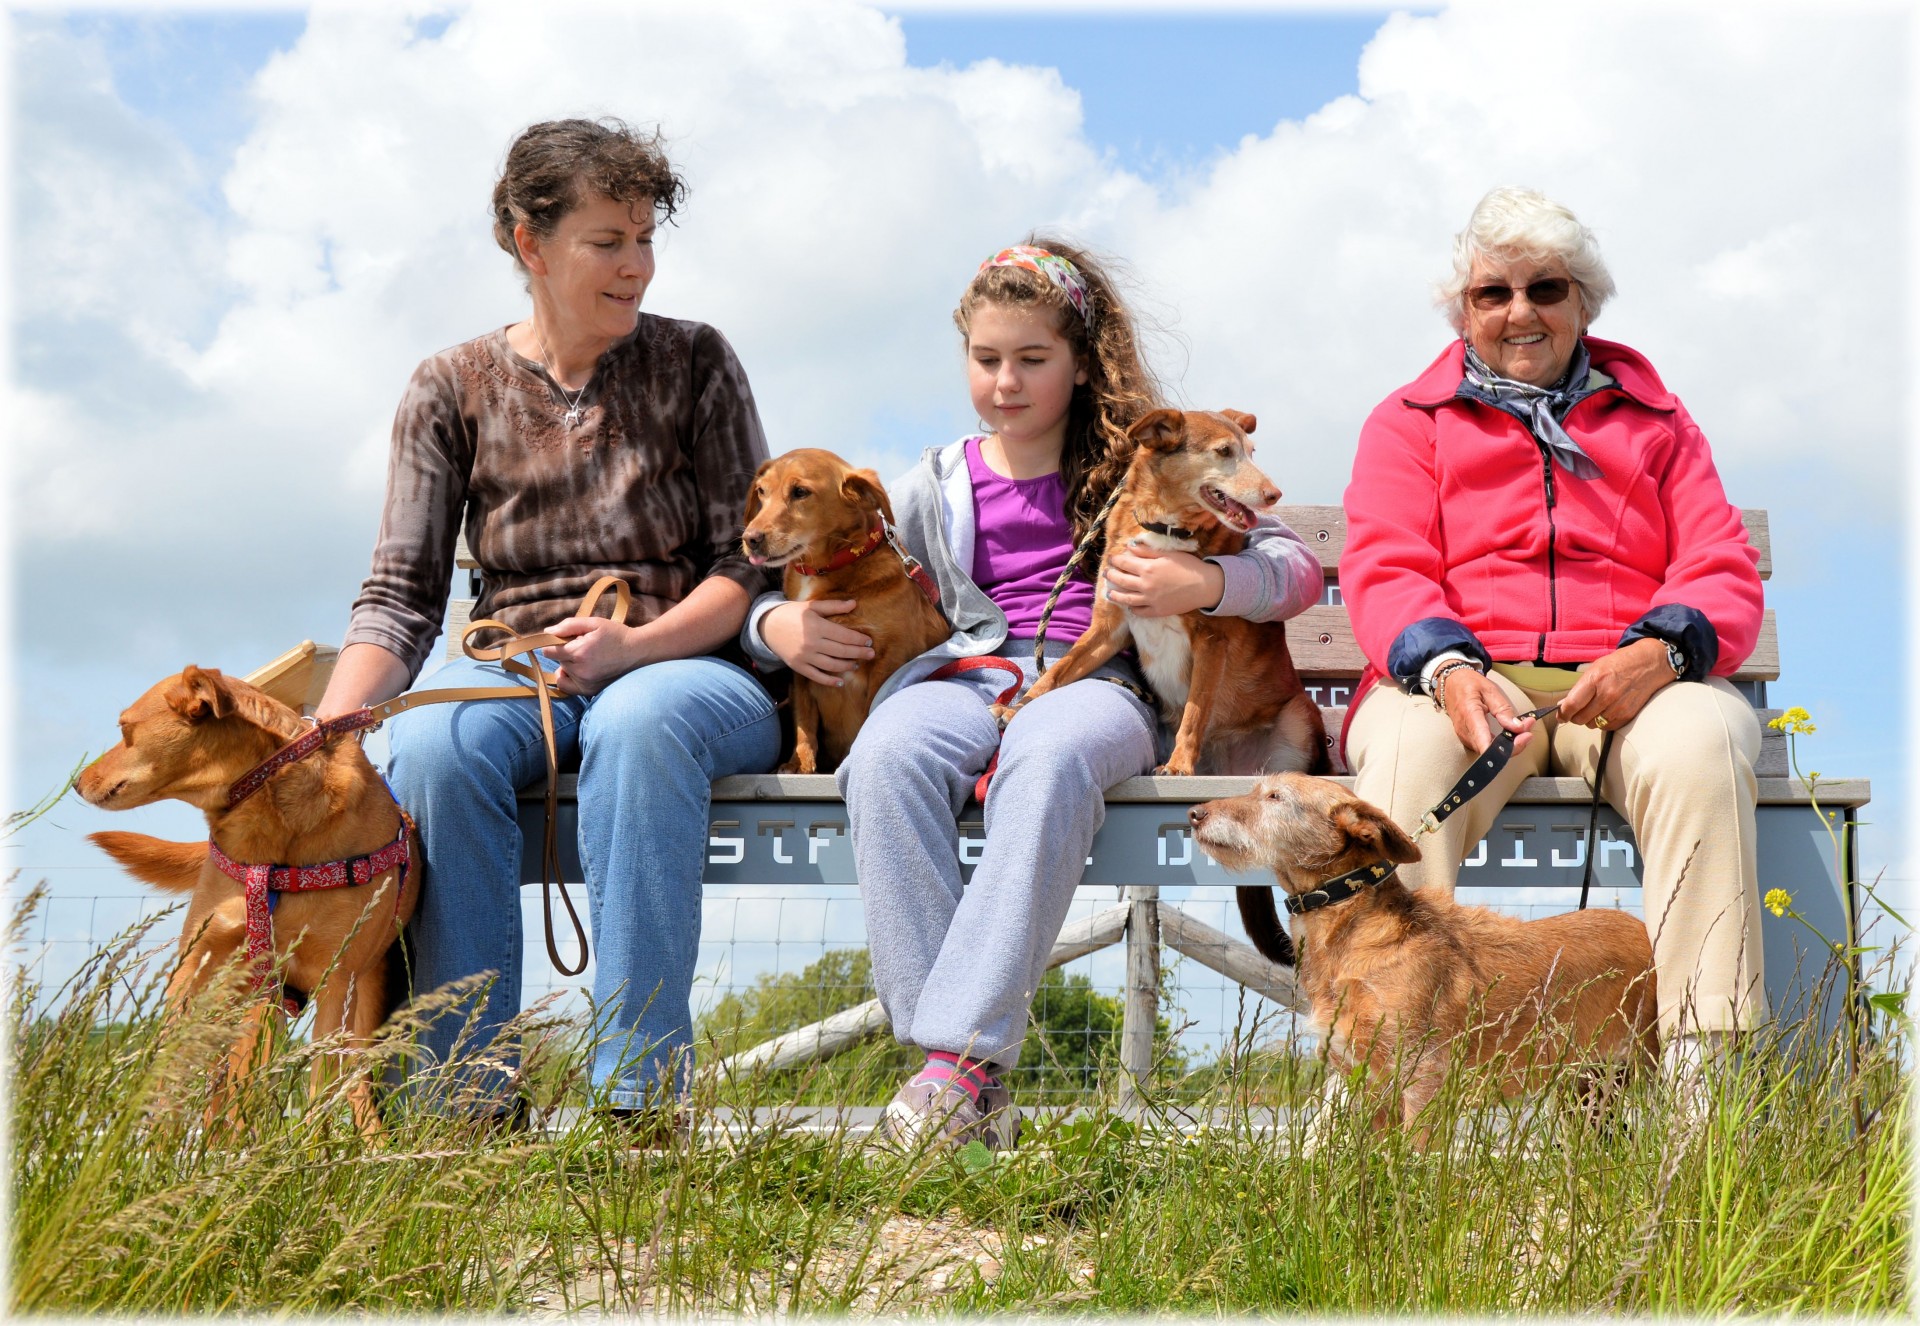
(507, 654)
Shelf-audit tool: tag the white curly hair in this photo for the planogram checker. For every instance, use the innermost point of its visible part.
(1511, 222)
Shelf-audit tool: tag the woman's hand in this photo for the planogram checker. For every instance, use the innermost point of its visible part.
(597, 651)
(1617, 686)
(1479, 709)
(809, 641)
(1156, 582)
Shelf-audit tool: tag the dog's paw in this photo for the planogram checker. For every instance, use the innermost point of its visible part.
(798, 765)
(1003, 713)
(1173, 769)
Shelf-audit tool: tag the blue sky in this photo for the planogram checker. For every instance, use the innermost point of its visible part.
(227, 262)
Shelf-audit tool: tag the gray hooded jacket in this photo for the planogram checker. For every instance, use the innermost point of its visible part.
(1274, 578)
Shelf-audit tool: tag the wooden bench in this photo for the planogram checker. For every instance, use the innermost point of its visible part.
(791, 832)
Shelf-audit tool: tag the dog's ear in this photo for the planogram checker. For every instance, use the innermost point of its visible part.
(753, 493)
(1366, 825)
(1240, 420)
(862, 488)
(1162, 430)
(198, 694)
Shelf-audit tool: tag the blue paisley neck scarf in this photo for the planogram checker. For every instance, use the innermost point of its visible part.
(1540, 408)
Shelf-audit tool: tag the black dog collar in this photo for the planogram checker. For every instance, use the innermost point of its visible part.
(1341, 887)
(1171, 531)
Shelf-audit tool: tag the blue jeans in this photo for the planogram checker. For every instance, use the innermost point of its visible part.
(648, 746)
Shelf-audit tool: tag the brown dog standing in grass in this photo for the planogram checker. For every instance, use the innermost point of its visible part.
(826, 523)
(1402, 981)
(1228, 683)
(189, 739)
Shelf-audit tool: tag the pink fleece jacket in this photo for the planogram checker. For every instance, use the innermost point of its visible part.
(1448, 516)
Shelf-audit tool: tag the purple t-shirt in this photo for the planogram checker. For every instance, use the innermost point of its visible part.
(1022, 539)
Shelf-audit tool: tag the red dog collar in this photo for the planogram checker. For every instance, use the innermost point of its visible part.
(880, 533)
(847, 556)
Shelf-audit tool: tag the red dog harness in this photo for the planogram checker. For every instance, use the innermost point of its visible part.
(265, 883)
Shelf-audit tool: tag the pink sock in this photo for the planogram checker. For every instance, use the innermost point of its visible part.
(945, 1066)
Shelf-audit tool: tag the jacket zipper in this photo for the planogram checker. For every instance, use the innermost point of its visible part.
(1553, 587)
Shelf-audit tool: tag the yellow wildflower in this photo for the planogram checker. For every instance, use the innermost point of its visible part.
(1778, 900)
(1795, 720)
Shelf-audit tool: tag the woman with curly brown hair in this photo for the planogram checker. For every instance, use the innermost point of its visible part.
(585, 440)
(1055, 375)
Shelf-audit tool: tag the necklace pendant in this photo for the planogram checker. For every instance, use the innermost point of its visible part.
(573, 417)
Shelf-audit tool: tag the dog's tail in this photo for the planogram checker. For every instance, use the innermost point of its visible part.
(1262, 920)
(165, 865)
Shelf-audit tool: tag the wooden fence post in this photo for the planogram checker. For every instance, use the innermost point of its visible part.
(1143, 994)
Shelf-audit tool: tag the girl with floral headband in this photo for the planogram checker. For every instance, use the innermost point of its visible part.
(1055, 375)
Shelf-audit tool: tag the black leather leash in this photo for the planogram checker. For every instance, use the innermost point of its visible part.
(1593, 818)
(1481, 773)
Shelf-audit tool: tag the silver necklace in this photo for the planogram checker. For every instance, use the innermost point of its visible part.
(574, 408)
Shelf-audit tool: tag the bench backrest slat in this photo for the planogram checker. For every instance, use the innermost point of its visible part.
(1325, 530)
(1321, 638)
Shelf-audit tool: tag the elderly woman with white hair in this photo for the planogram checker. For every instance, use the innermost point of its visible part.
(1533, 522)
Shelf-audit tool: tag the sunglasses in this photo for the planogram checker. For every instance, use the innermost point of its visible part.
(1550, 291)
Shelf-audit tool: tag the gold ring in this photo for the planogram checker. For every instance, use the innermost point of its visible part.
(1601, 721)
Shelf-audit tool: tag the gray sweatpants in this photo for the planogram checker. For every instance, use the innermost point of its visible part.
(957, 967)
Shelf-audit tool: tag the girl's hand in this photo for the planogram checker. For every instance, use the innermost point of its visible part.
(1479, 709)
(1154, 582)
(597, 652)
(809, 641)
(1617, 686)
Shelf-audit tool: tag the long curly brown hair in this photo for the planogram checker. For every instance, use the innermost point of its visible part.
(1118, 390)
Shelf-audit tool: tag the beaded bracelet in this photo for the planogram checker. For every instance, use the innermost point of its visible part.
(1437, 688)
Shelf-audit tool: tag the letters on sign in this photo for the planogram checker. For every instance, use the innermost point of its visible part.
(1181, 839)
(725, 849)
(1566, 845)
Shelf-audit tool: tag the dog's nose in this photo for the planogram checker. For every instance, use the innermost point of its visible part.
(1269, 495)
(755, 540)
(1197, 816)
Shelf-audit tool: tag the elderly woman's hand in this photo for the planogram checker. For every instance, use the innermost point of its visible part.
(1155, 582)
(1479, 709)
(1617, 686)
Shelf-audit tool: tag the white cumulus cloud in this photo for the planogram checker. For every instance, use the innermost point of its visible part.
(202, 397)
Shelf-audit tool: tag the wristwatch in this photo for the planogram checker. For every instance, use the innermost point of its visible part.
(1677, 660)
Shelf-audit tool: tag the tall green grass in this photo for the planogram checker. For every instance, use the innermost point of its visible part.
(1775, 1201)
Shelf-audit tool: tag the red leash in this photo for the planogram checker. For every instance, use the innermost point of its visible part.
(975, 664)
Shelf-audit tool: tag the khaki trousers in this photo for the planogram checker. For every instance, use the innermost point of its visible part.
(1681, 774)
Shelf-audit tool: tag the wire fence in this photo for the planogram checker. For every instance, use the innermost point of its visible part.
(771, 961)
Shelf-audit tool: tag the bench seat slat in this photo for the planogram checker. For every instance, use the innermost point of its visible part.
(1833, 793)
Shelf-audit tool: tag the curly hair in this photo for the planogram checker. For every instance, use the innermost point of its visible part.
(554, 165)
(1118, 390)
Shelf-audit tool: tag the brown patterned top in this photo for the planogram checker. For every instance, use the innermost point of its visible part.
(649, 486)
